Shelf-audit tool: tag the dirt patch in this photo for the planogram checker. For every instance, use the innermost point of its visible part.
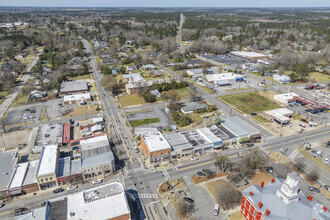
(279, 156)
(199, 179)
(176, 184)
(269, 94)
(15, 139)
(257, 179)
(237, 216)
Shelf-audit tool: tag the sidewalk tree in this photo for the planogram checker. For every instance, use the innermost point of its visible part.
(228, 197)
(223, 162)
(255, 159)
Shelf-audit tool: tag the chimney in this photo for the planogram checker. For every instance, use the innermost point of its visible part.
(273, 180)
(262, 184)
(310, 197)
(325, 208)
(260, 204)
(251, 193)
(267, 212)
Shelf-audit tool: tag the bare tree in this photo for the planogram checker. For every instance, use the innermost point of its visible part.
(255, 159)
(228, 197)
(312, 175)
(184, 207)
(223, 163)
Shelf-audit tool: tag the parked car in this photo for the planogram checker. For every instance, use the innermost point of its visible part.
(200, 174)
(253, 113)
(302, 125)
(59, 190)
(314, 189)
(213, 153)
(2, 205)
(327, 187)
(33, 111)
(326, 160)
(216, 209)
(188, 200)
(270, 169)
(43, 203)
(77, 124)
(249, 145)
(97, 181)
(72, 187)
(239, 147)
(194, 158)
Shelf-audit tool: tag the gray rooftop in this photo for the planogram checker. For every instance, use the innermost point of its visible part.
(35, 214)
(98, 159)
(49, 134)
(94, 146)
(67, 167)
(31, 173)
(7, 165)
(58, 209)
(73, 86)
(238, 127)
(302, 209)
(178, 141)
(194, 138)
(193, 106)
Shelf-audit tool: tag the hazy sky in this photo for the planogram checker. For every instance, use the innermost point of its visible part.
(167, 3)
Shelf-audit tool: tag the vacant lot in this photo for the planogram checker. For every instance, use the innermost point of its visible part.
(182, 93)
(81, 77)
(133, 99)
(83, 110)
(318, 77)
(144, 122)
(250, 102)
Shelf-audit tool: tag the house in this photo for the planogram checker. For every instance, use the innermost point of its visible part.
(131, 68)
(81, 99)
(37, 94)
(280, 199)
(148, 67)
(107, 201)
(46, 70)
(114, 71)
(155, 93)
(47, 168)
(45, 81)
(193, 107)
(281, 78)
(73, 87)
(76, 61)
(156, 147)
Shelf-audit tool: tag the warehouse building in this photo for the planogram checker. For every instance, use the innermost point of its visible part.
(222, 78)
(73, 87)
(253, 56)
(199, 72)
(240, 130)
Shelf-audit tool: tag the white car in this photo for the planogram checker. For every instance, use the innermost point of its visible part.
(97, 181)
(216, 209)
(239, 147)
(326, 161)
(194, 158)
(72, 187)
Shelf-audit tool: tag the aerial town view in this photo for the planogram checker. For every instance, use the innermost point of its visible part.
(165, 110)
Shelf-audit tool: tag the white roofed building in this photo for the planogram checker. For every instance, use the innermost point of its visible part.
(285, 98)
(156, 147)
(82, 99)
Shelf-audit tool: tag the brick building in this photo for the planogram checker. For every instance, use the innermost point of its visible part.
(280, 199)
(156, 147)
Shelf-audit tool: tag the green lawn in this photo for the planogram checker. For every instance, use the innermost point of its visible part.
(81, 77)
(318, 77)
(19, 100)
(144, 122)
(183, 92)
(133, 99)
(261, 119)
(250, 102)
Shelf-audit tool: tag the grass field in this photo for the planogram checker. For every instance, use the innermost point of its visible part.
(261, 119)
(83, 110)
(316, 160)
(318, 77)
(183, 93)
(19, 100)
(144, 122)
(133, 99)
(250, 102)
(86, 76)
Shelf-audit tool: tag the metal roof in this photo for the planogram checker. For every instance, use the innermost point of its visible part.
(95, 145)
(178, 141)
(238, 127)
(208, 135)
(7, 165)
(193, 106)
(48, 160)
(31, 173)
(18, 175)
(98, 159)
(67, 167)
(156, 142)
(49, 134)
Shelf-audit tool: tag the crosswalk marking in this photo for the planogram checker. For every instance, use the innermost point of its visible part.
(146, 196)
(293, 155)
(166, 175)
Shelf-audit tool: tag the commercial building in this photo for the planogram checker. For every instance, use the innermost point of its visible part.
(30, 182)
(222, 78)
(68, 171)
(312, 106)
(81, 99)
(280, 199)
(280, 115)
(48, 134)
(240, 130)
(67, 134)
(180, 145)
(8, 162)
(94, 145)
(98, 166)
(47, 168)
(192, 107)
(253, 56)
(73, 87)
(17, 179)
(199, 71)
(285, 98)
(106, 202)
(156, 147)
(281, 78)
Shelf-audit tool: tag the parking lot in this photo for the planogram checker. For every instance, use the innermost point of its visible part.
(164, 118)
(228, 59)
(23, 115)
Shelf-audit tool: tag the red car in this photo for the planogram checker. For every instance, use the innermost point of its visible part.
(19, 210)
